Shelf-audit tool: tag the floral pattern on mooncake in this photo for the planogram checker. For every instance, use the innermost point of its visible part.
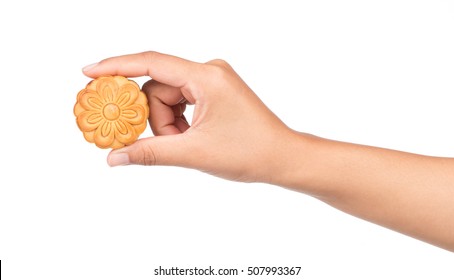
(111, 112)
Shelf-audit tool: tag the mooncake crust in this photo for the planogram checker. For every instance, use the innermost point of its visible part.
(111, 112)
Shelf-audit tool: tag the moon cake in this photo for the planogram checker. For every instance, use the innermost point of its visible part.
(111, 112)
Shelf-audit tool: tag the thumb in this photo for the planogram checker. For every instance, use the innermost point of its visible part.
(158, 150)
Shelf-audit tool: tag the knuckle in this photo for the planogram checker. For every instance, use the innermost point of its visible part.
(148, 86)
(217, 72)
(218, 62)
(148, 55)
(147, 155)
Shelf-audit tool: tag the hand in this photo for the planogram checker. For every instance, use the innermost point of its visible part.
(235, 136)
(232, 134)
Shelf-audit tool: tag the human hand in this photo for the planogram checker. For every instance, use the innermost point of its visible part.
(235, 136)
(232, 134)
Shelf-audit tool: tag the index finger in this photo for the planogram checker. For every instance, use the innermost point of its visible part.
(167, 69)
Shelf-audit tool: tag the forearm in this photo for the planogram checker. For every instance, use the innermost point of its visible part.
(409, 193)
(235, 136)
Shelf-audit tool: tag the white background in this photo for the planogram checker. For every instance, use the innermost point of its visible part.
(371, 72)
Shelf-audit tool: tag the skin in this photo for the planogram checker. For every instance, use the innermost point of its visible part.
(236, 137)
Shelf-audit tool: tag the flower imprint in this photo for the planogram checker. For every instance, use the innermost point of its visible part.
(111, 112)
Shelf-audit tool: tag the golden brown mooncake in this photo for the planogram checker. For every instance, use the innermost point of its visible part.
(111, 112)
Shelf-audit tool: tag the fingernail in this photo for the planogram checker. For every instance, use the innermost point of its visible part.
(89, 67)
(118, 159)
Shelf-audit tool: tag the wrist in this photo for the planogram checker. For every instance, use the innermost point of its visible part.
(298, 154)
